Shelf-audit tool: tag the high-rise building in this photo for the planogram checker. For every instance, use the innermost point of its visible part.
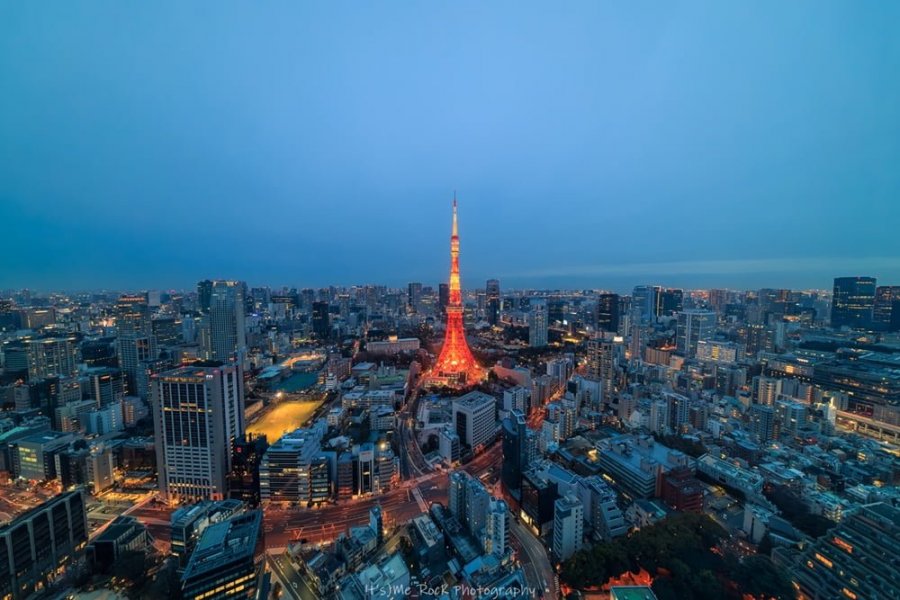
(448, 445)
(285, 468)
(514, 450)
(243, 479)
(443, 297)
(455, 363)
(886, 312)
(857, 559)
(37, 546)
(414, 297)
(568, 527)
(762, 421)
(668, 302)
(198, 413)
(643, 303)
(538, 323)
(136, 342)
(456, 495)
(608, 312)
(107, 386)
(204, 294)
(52, 356)
(223, 332)
(495, 537)
(492, 302)
(321, 321)
(694, 325)
(853, 302)
(228, 561)
(478, 503)
(603, 357)
(474, 419)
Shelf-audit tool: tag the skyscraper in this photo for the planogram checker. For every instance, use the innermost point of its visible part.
(886, 313)
(492, 308)
(643, 302)
(224, 334)
(853, 302)
(694, 325)
(608, 312)
(198, 413)
(414, 297)
(537, 323)
(514, 450)
(136, 341)
(456, 363)
(668, 302)
(321, 325)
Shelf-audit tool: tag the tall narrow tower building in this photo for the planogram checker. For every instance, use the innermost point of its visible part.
(455, 365)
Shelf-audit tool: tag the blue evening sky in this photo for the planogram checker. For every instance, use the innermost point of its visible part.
(592, 144)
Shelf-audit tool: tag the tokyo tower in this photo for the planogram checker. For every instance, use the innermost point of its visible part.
(456, 363)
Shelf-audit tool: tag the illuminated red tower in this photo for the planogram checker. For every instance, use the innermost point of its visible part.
(456, 363)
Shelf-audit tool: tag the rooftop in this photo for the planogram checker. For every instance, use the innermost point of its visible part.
(228, 541)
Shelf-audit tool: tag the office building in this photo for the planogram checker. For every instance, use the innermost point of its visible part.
(198, 413)
(223, 332)
(321, 320)
(607, 316)
(886, 311)
(136, 342)
(853, 302)
(414, 297)
(643, 303)
(637, 463)
(188, 523)
(284, 472)
(49, 357)
(538, 323)
(246, 461)
(514, 450)
(39, 545)
(35, 457)
(124, 534)
(669, 302)
(204, 294)
(568, 527)
(694, 325)
(492, 302)
(603, 358)
(714, 351)
(107, 386)
(443, 297)
(475, 419)
(228, 561)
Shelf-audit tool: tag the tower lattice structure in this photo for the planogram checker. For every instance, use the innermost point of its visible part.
(456, 362)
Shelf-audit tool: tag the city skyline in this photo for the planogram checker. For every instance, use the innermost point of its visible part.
(592, 147)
